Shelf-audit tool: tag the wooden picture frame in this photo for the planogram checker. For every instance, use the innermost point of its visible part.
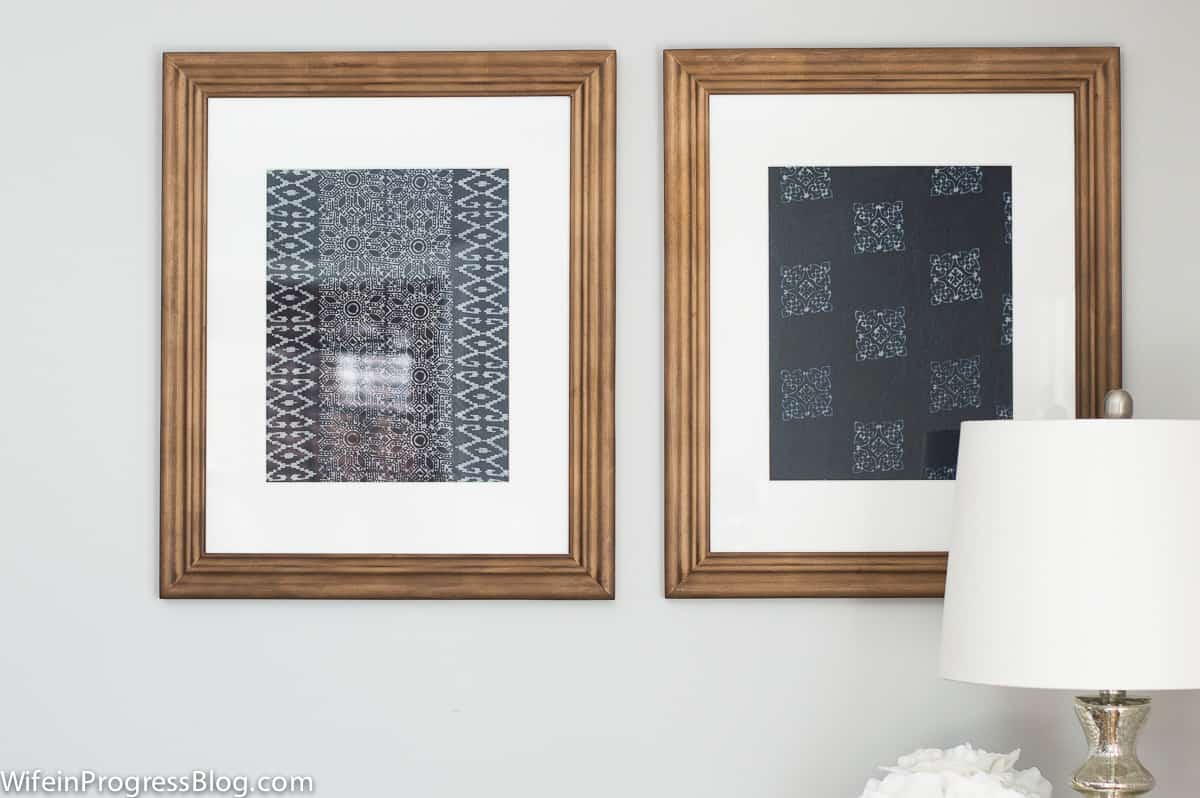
(690, 78)
(588, 78)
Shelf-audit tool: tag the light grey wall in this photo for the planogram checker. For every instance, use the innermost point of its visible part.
(638, 697)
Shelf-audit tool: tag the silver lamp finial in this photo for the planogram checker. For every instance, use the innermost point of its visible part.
(1118, 403)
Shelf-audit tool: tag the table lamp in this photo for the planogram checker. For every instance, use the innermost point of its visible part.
(1073, 565)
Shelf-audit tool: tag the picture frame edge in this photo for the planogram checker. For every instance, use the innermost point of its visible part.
(690, 77)
(588, 77)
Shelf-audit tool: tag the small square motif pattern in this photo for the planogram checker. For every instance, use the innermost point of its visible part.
(954, 384)
(806, 289)
(880, 333)
(878, 446)
(807, 393)
(878, 227)
(949, 181)
(801, 183)
(954, 277)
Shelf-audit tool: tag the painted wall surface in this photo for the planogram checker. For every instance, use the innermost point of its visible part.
(641, 696)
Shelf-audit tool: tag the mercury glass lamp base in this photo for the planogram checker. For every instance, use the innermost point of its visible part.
(1111, 722)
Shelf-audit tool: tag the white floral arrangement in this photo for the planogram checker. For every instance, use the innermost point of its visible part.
(959, 772)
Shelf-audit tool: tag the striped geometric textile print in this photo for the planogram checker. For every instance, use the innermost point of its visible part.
(387, 325)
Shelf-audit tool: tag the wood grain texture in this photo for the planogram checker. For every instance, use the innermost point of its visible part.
(1090, 74)
(189, 80)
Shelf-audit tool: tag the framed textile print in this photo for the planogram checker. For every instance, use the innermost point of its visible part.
(889, 243)
(388, 325)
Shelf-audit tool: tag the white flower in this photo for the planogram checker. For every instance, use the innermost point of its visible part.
(960, 772)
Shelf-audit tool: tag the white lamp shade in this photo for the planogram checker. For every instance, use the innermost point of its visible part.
(1075, 556)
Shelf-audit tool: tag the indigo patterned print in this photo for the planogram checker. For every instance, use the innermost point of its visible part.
(387, 325)
(891, 316)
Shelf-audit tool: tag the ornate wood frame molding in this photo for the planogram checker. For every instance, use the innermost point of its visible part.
(189, 80)
(690, 77)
